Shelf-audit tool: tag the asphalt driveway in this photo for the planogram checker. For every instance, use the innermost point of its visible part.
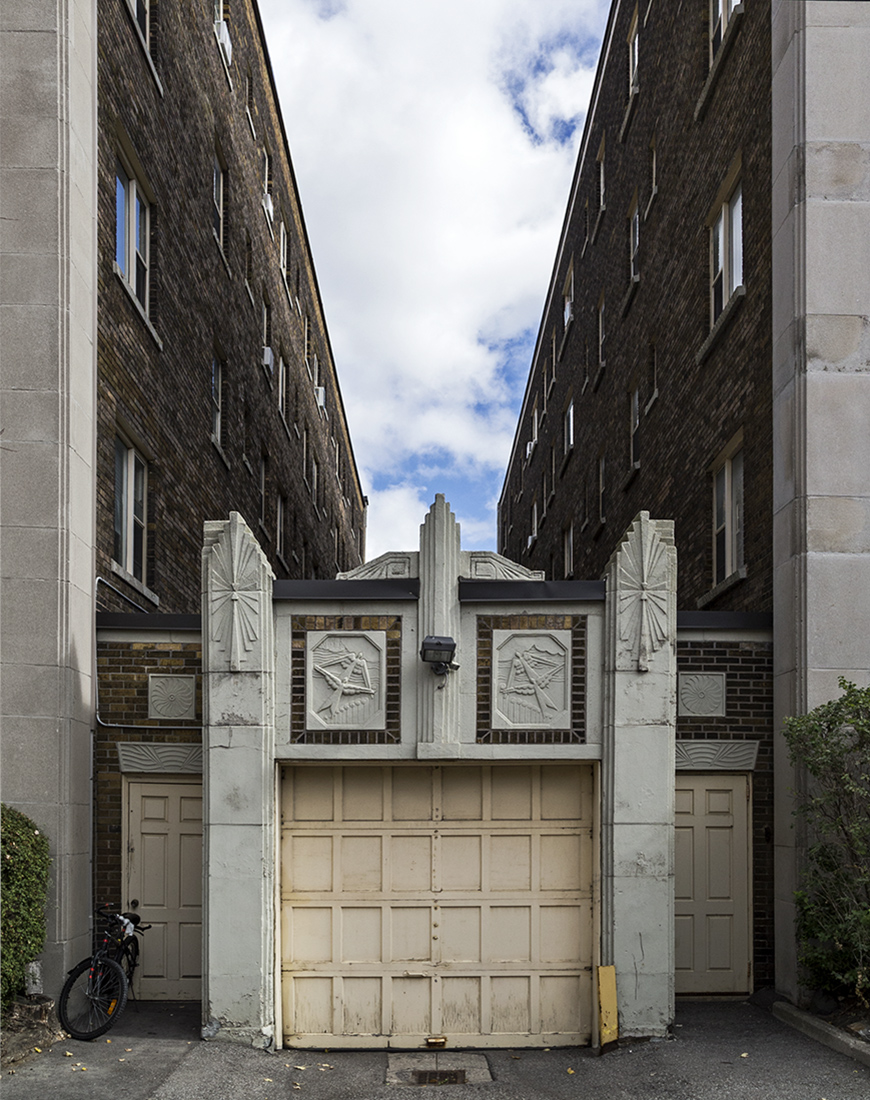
(726, 1051)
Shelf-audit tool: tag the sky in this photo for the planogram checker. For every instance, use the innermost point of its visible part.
(434, 145)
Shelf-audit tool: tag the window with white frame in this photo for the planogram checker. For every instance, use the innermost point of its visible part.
(568, 298)
(568, 428)
(280, 509)
(728, 512)
(634, 238)
(141, 10)
(726, 252)
(132, 231)
(533, 533)
(602, 489)
(633, 51)
(634, 425)
(600, 163)
(268, 205)
(602, 332)
(249, 259)
(720, 16)
(268, 359)
(568, 551)
(222, 29)
(131, 509)
(219, 199)
(282, 250)
(283, 388)
(249, 99)
(216, 394)
(264, 475)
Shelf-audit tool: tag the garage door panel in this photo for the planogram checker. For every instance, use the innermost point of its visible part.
(312, 799)
(362, 1006)
(362, 797)
(510, 1005)
(410, 864)
(308, 860)
(459, 934)
(509, 934)
(361, 935)
(461, 1003)
(461, 794)
(411, 934)
(510, 866)
(439, 900)
(460, 863)
(412, 794)
(361, 864)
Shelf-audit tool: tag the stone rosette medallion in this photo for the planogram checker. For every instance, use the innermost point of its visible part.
(533, 680)
(171, 696)
(345, 680)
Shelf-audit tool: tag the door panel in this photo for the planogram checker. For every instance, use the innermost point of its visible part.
(712, 916)
(164, 871)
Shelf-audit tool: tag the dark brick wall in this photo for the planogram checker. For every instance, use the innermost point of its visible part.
(698, 408)
(155, 376)
(123, 668)
(748, 666)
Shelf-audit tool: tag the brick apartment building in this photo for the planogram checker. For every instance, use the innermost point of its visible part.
(699, 357)
(177, 369)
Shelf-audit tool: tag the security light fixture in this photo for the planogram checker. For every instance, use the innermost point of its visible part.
(438, 652)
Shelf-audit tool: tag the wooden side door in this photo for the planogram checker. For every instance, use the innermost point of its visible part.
(712, 896)
(164, 872)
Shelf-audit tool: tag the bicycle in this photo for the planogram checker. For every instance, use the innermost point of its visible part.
(95, 992)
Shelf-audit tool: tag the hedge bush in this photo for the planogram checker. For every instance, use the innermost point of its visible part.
(832, 743)
(24, 864)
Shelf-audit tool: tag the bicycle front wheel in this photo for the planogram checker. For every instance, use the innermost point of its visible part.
(93, 997)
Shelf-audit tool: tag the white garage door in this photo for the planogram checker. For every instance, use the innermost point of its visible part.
(420, 902)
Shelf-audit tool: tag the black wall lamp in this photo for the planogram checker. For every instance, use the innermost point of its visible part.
(438, 652)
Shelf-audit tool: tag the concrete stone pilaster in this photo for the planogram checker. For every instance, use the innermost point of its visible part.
(637, 813)
(239, 786)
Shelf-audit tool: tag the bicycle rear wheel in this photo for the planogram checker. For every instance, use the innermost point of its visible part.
(93, 997)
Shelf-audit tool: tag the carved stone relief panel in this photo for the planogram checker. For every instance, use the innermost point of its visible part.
(533, 680)
(171, 696)
(346, 680)
(701, 694)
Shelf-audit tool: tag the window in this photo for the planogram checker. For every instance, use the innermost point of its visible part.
(652, 375)
(142, 14)
(249, 260)
(601, 490)
(533, 534)
(249, 100)
(726, 252)
(634, 239)
(600, 162)
(222, 29)
(279, 526)
(268, 357)
(568, 428)
(264, 473)
(315, 479)
(728, 513)
(720, 15)
(218, 199)
(282, 250)
(268, 206)
(633, 50)
(217, 383)
(568, 550)
(132, 230)
(602, 333)
(568, 298)
(634, 426)
(284, 389)
(131, 498)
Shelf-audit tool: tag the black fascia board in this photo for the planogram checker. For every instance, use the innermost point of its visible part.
(724, 620)
(384, 589)
(501, 591)
(147, 620)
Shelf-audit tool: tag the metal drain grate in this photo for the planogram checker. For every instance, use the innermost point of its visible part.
(439, 1076)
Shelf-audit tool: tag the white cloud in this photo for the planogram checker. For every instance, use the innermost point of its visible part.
(429, 141)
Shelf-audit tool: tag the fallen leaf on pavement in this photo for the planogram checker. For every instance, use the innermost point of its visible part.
(38, 1050)
(67, 1054)
(570, 1070)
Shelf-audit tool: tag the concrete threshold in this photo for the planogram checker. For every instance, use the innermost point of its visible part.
(817, 1029)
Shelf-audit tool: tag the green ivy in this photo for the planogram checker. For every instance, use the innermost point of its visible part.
(24, 862)
(832, 743)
